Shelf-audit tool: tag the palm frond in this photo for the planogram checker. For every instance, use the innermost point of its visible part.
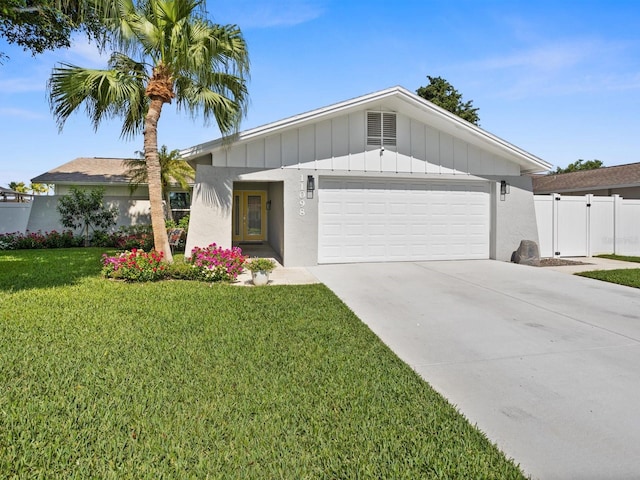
(172, 170)
(136, 170)
(105, 94)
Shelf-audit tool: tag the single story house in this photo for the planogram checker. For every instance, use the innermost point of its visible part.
(623, 180)
(387, 176)
(108, 173)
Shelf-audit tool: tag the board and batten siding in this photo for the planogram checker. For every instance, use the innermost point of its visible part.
(339, 144)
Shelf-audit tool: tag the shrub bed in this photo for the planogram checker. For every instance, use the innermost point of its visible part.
(211, 264)
(33, 240)
(125, 238)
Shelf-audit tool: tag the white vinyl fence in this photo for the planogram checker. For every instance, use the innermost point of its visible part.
(582, 226)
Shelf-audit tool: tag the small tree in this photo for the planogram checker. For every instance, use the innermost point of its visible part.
(85, 209)
(579, 165)
(442, 93)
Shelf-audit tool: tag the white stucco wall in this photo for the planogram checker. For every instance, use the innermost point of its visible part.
(14, 216)
(513, 217)
(45, 217)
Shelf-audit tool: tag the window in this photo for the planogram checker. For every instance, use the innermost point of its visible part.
(180, 203)
(381, 129)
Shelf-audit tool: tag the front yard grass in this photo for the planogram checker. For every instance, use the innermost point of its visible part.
(622, 258)
(179, 379)
(626, 276)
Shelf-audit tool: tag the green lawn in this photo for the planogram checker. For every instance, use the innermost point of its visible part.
(102, 379)
(622, 258)
(626, 276)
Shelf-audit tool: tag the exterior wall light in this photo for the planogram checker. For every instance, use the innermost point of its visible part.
(505, 188)
(311, 186)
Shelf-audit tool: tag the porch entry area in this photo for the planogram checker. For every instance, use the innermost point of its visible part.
(257, 218)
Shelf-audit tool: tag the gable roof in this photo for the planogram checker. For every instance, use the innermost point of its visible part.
(597, 179)
(399, 99)
(87, 170)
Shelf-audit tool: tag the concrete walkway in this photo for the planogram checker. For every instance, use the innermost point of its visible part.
(593, 263)
(281, 276)
(546, 364)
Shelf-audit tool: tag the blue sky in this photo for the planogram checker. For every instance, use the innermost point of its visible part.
(560, 79)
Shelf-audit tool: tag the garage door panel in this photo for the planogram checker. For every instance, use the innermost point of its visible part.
(366, 220)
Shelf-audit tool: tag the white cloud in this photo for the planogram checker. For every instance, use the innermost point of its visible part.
(85, 54)
(22, 85)
(267, 13)
(22, 113)
(550, 57)
(558, 68)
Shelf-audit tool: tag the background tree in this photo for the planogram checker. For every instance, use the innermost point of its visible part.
(442, 93)
(19, 187)
(39, 25)
(579, 165)
(172, 170)
(38, 188)
(85, 209)
(166, 49)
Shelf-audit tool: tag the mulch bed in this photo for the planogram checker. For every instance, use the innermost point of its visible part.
(559, 262)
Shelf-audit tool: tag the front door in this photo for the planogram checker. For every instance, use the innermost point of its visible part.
(249, 216)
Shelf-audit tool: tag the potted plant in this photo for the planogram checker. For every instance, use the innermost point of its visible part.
(260, 269)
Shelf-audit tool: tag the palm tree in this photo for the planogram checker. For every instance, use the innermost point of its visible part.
(39, 188)
(165, 49)
(172, 170)
(19, 187)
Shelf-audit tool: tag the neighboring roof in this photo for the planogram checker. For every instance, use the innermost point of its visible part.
(400, 99)
(87, 170)
(83, 171)
(5, 193)
(8, 191)
(597, 179)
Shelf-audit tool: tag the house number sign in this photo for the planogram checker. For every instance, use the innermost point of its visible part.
(302, 195)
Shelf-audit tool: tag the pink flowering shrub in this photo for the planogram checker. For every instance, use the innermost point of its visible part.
(135, 266)
(217, 264)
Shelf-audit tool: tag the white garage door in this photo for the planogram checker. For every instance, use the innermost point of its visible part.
(369, 221)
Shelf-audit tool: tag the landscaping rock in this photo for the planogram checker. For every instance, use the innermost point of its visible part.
(527, 253)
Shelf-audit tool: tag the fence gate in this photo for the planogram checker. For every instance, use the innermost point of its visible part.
(571, 226)
(582, 226)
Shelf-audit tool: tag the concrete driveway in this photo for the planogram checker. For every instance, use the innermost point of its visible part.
(546, 364)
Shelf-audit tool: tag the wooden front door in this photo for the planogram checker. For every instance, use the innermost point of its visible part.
(249, 221)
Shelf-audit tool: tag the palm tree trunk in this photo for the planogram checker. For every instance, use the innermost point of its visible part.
(160, 239)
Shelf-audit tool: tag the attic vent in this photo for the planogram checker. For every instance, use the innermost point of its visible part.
(381, 129)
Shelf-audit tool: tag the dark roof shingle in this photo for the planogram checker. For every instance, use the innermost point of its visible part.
(599, 178)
